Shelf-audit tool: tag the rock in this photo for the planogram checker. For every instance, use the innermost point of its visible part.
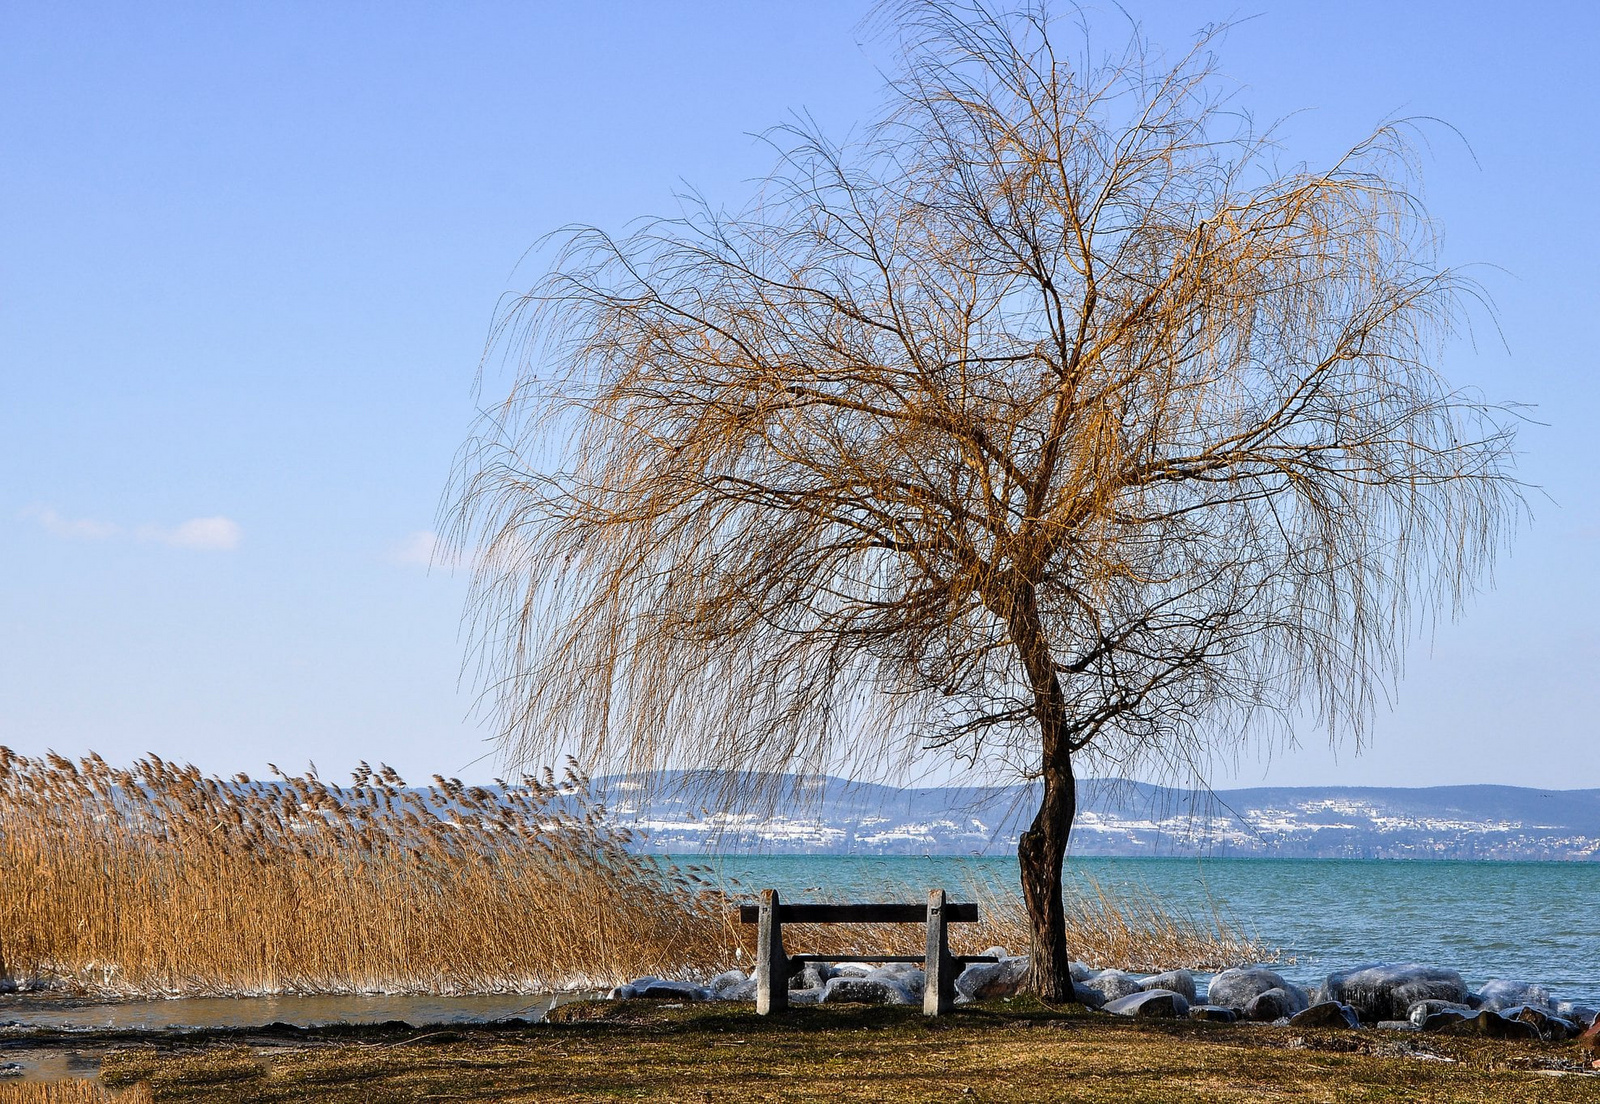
(1238, 987)
(806, 996)
(1590, 1039)
(726, 980)
(1079, 972)
(1150, 1004)
(1111, 985)
(904, 974)
(1212, 1013)
(993, 980)
(1275, 1004)
(1178, 981)
(1422, 1009)
(1482, 1022)
(1386, 992)
(854, 990)
(812, 975)
(851, 969)
(1580, 1014)
(1551, 1028)
(1497, 995)
(1326, 1014)
(744, 991)
(1089, 998)
(1396, 1025)
(671, 990)
(622, 992)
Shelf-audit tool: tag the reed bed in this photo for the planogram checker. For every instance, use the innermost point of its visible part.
(159, 880)
(70, 1092)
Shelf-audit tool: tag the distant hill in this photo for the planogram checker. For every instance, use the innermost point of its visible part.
(1123, 818)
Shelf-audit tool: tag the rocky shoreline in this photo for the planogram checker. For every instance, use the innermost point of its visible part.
(1379, 996)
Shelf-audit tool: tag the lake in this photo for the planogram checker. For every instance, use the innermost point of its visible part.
(1527, 921)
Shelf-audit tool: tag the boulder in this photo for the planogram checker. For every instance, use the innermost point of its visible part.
(726, 980)
(806, 996)
(812, 975)
(1326, 1014)
(1580, 1014)
(1551, 1028)
(1238, 987)
(1274, 1004)
(1498, 994)
(622, 992)
(1111, 985)
(744, 991)
(1178, 981)
(854, 990)
(1212, 1013)
(1150, 1004)
(1079, 972)
(1590, 1039)
(907, 975)
(1420, 1011)
(1396, 1025)
(1482, 1022)
(1089, 998)
(1386, 992)
(851, 969)
(993, 980)
(671, 990)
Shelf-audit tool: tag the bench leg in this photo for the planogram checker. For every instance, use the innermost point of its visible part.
(939, 991)
(772, 963)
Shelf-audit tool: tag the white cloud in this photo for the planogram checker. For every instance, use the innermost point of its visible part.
(210, 534)
(425, 548)
(72, 528)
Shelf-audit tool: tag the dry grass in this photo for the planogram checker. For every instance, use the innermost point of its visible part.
(1016, 1053)
(160, 880)
(70, 1092)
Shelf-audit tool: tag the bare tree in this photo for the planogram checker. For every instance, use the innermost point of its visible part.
(1048, 424)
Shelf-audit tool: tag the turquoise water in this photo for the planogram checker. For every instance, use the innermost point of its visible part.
(1523, 921)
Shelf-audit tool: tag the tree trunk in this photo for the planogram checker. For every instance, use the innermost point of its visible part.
(1040, 854)
(1043, 847)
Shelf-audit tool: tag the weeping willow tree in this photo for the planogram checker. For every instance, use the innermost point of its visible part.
(1049, 424)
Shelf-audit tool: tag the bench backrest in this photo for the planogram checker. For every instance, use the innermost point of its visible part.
(860, 914)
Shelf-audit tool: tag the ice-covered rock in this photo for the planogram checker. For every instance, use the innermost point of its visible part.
(1276, 1004)
(1396, 1025)
(671, 990)
(1150, 1004)
(744, 991)
(1481, 1021)
(1089, 998)
(1498, 994)
(853, 990)
(852, 969)
(1214, 1013)
(622, 992)
(907, 975)
(1111, 984)
(1551, 1028)
(806, 996)
(1422, 1009)
(1326, 1014)
(1236, 988)
(812, 975)
(726, 980)
(993, 980)
(1178, 981)
(1079, 972)
(1580, 1014)
(1383, 991)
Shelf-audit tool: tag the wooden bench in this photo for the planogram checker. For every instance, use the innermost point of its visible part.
(774, 965)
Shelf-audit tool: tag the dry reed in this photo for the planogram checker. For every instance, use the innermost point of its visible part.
(70, 1092)
(159, 880)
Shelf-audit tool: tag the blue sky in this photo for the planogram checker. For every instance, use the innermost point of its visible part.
(250, 254)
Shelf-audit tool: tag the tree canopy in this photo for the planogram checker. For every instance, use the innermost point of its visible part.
(1048, 422)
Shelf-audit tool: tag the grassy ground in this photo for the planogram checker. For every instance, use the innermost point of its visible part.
(1013, 1052)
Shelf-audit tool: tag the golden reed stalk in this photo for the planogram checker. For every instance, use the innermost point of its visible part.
(160, 880)
(70, 1092)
